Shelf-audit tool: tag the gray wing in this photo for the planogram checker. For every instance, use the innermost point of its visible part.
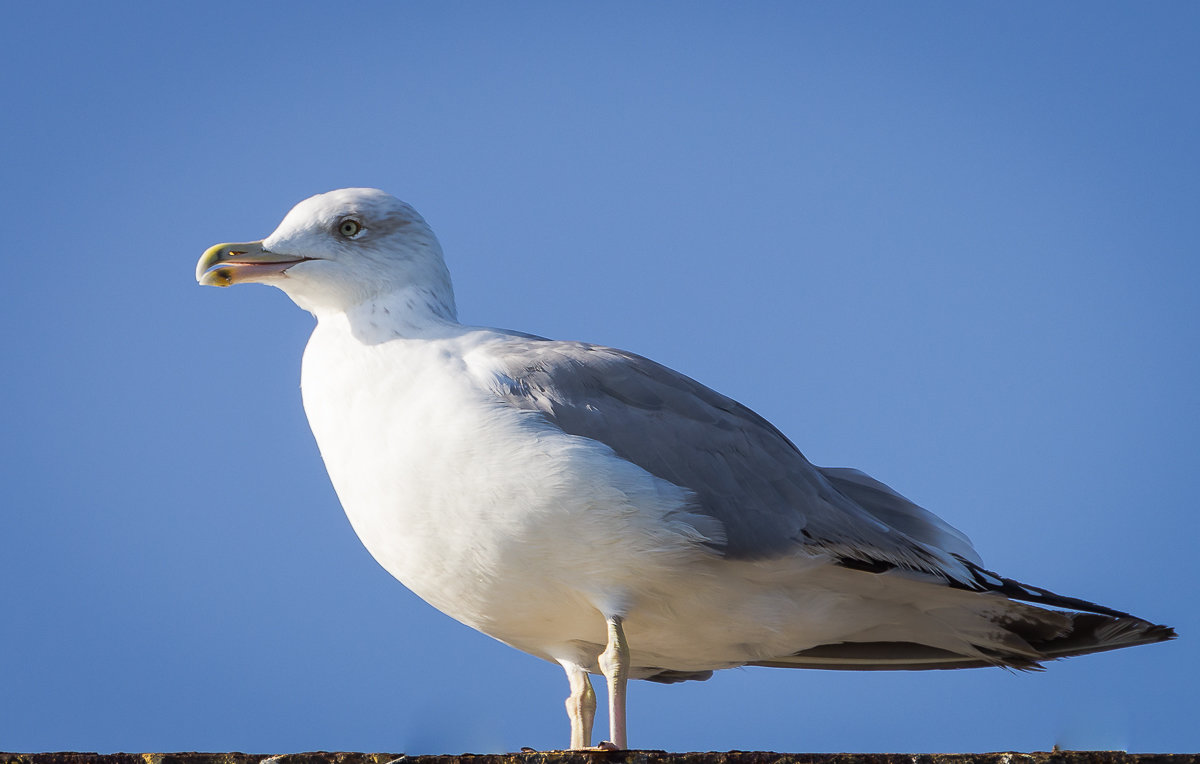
(740, 469)
(898, 512)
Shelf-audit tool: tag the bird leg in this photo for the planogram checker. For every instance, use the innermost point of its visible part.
(614, 662)
(581, 706)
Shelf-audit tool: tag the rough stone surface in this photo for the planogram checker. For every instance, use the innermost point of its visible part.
(607, 757)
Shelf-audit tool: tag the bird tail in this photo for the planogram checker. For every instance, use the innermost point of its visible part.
(1017, 635)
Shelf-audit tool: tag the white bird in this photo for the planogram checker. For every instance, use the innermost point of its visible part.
(596, 509)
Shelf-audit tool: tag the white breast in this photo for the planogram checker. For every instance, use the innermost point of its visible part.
(488, 513)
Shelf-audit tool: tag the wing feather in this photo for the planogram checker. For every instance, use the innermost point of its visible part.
(741, 470)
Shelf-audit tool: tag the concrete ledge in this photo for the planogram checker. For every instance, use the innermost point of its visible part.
(608, 757)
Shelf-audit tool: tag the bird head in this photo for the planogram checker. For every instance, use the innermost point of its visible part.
(337, 250)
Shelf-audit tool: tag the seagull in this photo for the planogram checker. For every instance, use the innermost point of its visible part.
(601, 511)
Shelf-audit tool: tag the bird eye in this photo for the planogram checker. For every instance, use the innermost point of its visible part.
(350, 228)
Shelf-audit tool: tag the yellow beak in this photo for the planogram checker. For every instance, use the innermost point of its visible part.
(228, 264)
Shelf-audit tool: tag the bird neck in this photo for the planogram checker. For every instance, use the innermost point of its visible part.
(411, 312)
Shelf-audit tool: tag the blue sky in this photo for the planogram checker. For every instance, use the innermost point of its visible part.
(952, 245)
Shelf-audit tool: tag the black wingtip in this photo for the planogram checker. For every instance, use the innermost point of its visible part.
(986, 581)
